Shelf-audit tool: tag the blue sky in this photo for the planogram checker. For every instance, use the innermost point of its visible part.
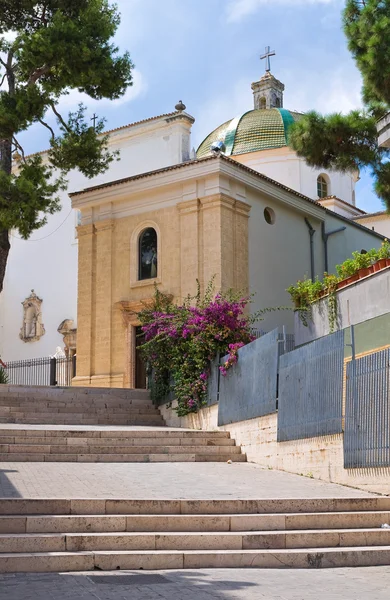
(206, 52)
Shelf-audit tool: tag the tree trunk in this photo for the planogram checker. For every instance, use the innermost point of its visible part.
(5, 165)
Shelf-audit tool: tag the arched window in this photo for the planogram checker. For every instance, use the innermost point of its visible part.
(147, 252)
(322, 187)
(263, 102)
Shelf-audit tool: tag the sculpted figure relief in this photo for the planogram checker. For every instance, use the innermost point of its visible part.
(32, 329)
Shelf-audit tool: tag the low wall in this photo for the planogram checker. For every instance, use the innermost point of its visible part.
(357, 303)
(320, 458)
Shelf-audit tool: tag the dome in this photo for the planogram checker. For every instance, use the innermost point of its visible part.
(260, 129)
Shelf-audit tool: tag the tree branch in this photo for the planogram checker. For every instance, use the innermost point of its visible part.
(59, 117)
(48, 127)
(19, 147)
(38, 74)
(3, 79)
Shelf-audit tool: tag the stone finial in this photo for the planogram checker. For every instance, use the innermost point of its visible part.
(180, 107)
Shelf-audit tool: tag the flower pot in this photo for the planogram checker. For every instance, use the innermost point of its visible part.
(380, 264)
(364, 272)
(342, 284)
(371, 269)
(387, 262)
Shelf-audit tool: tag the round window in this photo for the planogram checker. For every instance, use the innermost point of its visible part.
(269, 215)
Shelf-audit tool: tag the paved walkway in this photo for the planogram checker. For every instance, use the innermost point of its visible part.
(161, 481)
(371, 583)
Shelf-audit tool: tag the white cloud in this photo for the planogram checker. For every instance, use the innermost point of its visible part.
(337, 90)
(73, 99)
(239, 9)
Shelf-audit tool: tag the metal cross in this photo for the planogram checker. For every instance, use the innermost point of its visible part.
(94, 119)
(267, 55)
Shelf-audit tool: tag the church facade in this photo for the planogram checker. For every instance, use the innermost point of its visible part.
(244, 209)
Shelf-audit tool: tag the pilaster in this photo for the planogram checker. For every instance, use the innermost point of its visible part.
(86, 273)
(103, 298)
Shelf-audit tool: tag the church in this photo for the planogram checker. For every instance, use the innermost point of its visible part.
(243, 209)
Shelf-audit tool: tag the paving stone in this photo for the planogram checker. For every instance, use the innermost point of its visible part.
(370, 583)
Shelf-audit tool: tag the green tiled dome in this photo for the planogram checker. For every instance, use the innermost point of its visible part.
(254, 130)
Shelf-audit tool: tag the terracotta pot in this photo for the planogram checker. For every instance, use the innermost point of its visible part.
(371, 269)
(387, 262)
(353, 278)
(342, 284)
(380, 264)
(364, 272)
(322, 294)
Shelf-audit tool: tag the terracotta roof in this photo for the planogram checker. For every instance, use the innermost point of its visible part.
(368, 215)
(232, 162)
(344, 202)
(170, 115)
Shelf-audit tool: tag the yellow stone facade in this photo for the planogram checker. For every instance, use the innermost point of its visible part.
(199, 238)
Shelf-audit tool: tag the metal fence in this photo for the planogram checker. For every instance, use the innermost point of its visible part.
(367, 412)
(42, 371)
(311, 389)
(250, 389)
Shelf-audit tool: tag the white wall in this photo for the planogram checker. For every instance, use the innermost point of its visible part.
(279, 254)
(379, 223)
(283, 165)
(49, 266)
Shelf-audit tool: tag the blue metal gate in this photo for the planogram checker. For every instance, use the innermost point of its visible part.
(249, 389)
(367, 412)
(311, 389)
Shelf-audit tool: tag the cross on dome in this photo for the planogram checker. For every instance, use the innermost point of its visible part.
(266, 56)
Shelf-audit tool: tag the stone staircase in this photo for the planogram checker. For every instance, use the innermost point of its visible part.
(116, 445)
(83, 535)
(43, 424)
(77, 406)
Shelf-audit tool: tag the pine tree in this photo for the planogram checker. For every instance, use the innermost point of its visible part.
(57, 46)
(348, 142)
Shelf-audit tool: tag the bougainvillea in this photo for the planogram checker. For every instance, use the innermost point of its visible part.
(181, 341)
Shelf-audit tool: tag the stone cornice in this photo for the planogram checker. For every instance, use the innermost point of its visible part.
(85, 230)
(104, 225)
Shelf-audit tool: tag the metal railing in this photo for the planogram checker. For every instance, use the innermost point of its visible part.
(367, 412)
(46, 371)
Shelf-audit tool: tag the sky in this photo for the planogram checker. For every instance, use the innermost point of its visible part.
(206, 53)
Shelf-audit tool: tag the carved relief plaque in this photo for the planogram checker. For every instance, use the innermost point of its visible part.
(32, 329)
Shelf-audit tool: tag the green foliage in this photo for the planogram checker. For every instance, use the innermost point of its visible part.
(366, 25)
(60, 45)
(349, 142)
(3, 376)
(341, 142)
(182, 340)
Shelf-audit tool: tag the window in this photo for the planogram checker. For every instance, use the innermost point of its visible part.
(322, 187)
(263, 102)
(269, 215)
(147, 252)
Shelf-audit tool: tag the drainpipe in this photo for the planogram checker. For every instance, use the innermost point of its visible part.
(325, 237)
(311, 233)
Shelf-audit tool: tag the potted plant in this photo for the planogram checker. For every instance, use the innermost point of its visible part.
(363, 263)
(384, 255)
(348, 271)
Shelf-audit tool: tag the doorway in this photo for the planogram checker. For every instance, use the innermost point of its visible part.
(140, 365)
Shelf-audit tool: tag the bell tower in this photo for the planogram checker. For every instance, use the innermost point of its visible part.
(268, 92)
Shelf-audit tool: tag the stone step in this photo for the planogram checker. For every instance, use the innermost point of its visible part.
(278, 510)
(102, 402)
(240, 540)
(193, 559)
(114, 458)
(122, 441)
(106, 449)
(140, 410)
(53, 419)
(280, 523)
(59, 431)
(10, 390)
